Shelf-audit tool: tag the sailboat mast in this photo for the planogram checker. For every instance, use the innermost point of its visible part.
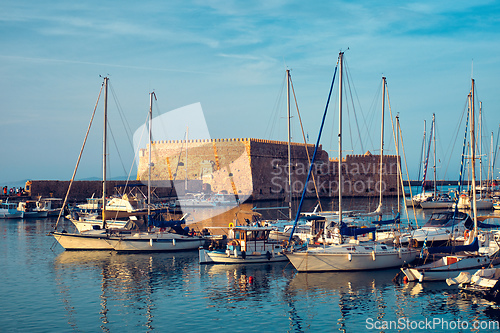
(341, 56)
(434, 142)
(186, 168)
(473, 157)
(480, 150)
(382, 141)
(104, 151)
(289, 147)
(150, 152)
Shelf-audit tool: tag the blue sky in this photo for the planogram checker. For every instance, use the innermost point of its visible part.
(231, 57)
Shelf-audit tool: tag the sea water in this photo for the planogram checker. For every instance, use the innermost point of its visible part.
(47, 289)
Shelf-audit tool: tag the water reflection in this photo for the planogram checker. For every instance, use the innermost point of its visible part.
(129, 285)
(234, 286)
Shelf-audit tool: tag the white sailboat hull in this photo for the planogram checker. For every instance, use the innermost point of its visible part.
(438, 271)
(220, 257)
(151, 242)
(331, 259)
(92, 240)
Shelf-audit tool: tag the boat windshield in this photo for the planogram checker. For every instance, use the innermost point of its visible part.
(442, 220)
(257, 235)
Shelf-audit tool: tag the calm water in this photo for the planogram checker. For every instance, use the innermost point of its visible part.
(50, 290)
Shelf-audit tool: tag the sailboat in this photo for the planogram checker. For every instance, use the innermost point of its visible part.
(156, 239)
(349, 254)
(436, 201)
(449, 266)
(94, 231)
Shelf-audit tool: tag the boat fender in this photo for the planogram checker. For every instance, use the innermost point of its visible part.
(268, 255)
(466, 234)
(173, 242)
(349, 256)
(373, 255)
(151, 242)
(399, 253)
(243, 254)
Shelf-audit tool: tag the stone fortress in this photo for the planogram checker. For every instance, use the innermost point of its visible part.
(257, 169)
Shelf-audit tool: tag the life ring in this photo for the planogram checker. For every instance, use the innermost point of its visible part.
(231, 225)
(466, 234)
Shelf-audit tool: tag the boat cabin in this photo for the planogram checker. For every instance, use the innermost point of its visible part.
(252, 239)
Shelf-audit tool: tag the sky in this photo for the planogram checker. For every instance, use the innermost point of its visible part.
(231, 57)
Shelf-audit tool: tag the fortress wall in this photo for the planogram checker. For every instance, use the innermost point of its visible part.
(258, 168)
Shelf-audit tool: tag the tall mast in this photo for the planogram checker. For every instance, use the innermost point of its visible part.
(104, 152)
(382, 141)
(434, 141)
(341, 56)
(289, 147)
(186, 168)
(480, 150)
(150, 151)
(473, 157)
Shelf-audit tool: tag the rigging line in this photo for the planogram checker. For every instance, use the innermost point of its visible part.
(349, 122)
(453, 144)
(421, 154)
(351, 89)
(394, 134)
(314, 154)
(126, 126)
(407, 176)
(117, 150)
(79, 158)
(276, 111)
(356, 119)
(305, 142)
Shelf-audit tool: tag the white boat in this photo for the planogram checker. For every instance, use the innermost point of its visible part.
(119, 211)
(441, 228)
(161, 235)
(246, 245)
(8, 210)
(31, 210)
(156, 240)
(464, 202)
(484, 283)
(352, 256)
(447, 267)
(86, 240)
(349, 254)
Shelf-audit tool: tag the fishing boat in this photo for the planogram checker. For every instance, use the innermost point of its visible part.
(348, 254)
(31, 210)
(245, 245)
(8, 210)
(450, 265)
